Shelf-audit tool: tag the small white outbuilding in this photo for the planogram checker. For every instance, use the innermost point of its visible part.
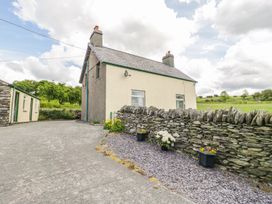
(16, 105)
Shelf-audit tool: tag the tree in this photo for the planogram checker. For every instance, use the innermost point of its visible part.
(62, 93)
(245, 94)
(75, 95)
(48, 90)
(29, 86)
(266, 95)
(256, 96)
(224, 96)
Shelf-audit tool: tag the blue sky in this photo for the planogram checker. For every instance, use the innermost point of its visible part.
(18, 41)
(222, 44)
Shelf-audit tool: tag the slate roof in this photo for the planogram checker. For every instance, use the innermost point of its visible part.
(116, 57)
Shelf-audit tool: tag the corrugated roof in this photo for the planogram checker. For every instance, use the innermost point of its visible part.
(116, 57)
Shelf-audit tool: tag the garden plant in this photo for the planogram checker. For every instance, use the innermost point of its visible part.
(165, 140)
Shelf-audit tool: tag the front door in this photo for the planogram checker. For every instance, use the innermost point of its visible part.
(16, 107)
(31, 109)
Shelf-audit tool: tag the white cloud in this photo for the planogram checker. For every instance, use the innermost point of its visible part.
(203, 71)
(33, 68)
(240, 17)
(189, 1)
(127, 25)
(248, 63)
(206, 13)
(149, 28)
(123, 22)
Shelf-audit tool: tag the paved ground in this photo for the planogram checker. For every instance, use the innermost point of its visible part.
(56, 162)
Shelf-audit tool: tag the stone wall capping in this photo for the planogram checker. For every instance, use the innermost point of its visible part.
(232, 115)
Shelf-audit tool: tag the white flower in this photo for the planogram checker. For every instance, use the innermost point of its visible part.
(176, 135)
(164, 139)
(173, 139)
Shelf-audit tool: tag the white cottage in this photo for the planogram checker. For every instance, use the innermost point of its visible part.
(16, 105)
(111, 79)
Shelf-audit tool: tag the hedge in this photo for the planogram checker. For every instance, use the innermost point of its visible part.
(59, 114)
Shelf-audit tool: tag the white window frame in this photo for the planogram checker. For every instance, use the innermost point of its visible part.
(180, 97)
(138, 96)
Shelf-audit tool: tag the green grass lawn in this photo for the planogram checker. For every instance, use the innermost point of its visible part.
(241, 107)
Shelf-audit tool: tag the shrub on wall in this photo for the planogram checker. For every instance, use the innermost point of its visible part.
(59, 114)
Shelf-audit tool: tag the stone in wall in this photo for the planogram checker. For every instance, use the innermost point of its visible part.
(4, 103)
(243, 140)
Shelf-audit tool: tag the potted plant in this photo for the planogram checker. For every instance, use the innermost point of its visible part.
(207, 156)
(141, 134)
(165, 140)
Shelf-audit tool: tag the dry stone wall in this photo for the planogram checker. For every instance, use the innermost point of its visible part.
(4, 103)
(243, 140)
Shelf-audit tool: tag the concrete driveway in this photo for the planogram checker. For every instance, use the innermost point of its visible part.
(56, 162)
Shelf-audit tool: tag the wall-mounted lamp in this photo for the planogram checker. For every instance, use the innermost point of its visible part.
(126, 74)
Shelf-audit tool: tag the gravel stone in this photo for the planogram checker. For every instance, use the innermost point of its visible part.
(181, 173)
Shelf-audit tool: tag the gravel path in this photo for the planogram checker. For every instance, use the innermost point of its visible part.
(183, 174)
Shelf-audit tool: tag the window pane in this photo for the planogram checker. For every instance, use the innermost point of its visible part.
(98, 70)
(180, 99)
(137, 98)
(141, 101)
(179, 104)
(137, 93)
(134, 101)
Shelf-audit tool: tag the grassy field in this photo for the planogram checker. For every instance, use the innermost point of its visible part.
(241, 107)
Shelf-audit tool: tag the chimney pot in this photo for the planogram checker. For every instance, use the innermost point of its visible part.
(96, 38)
(96, 28)
(168, 59)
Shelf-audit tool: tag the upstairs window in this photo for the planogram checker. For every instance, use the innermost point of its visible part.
(180, 101)
(98, 70)
(138, 98)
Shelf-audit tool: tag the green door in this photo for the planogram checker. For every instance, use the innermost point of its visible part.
(31, 109)
(16, 107)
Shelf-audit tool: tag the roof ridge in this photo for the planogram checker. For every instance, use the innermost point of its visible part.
(139, 56)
